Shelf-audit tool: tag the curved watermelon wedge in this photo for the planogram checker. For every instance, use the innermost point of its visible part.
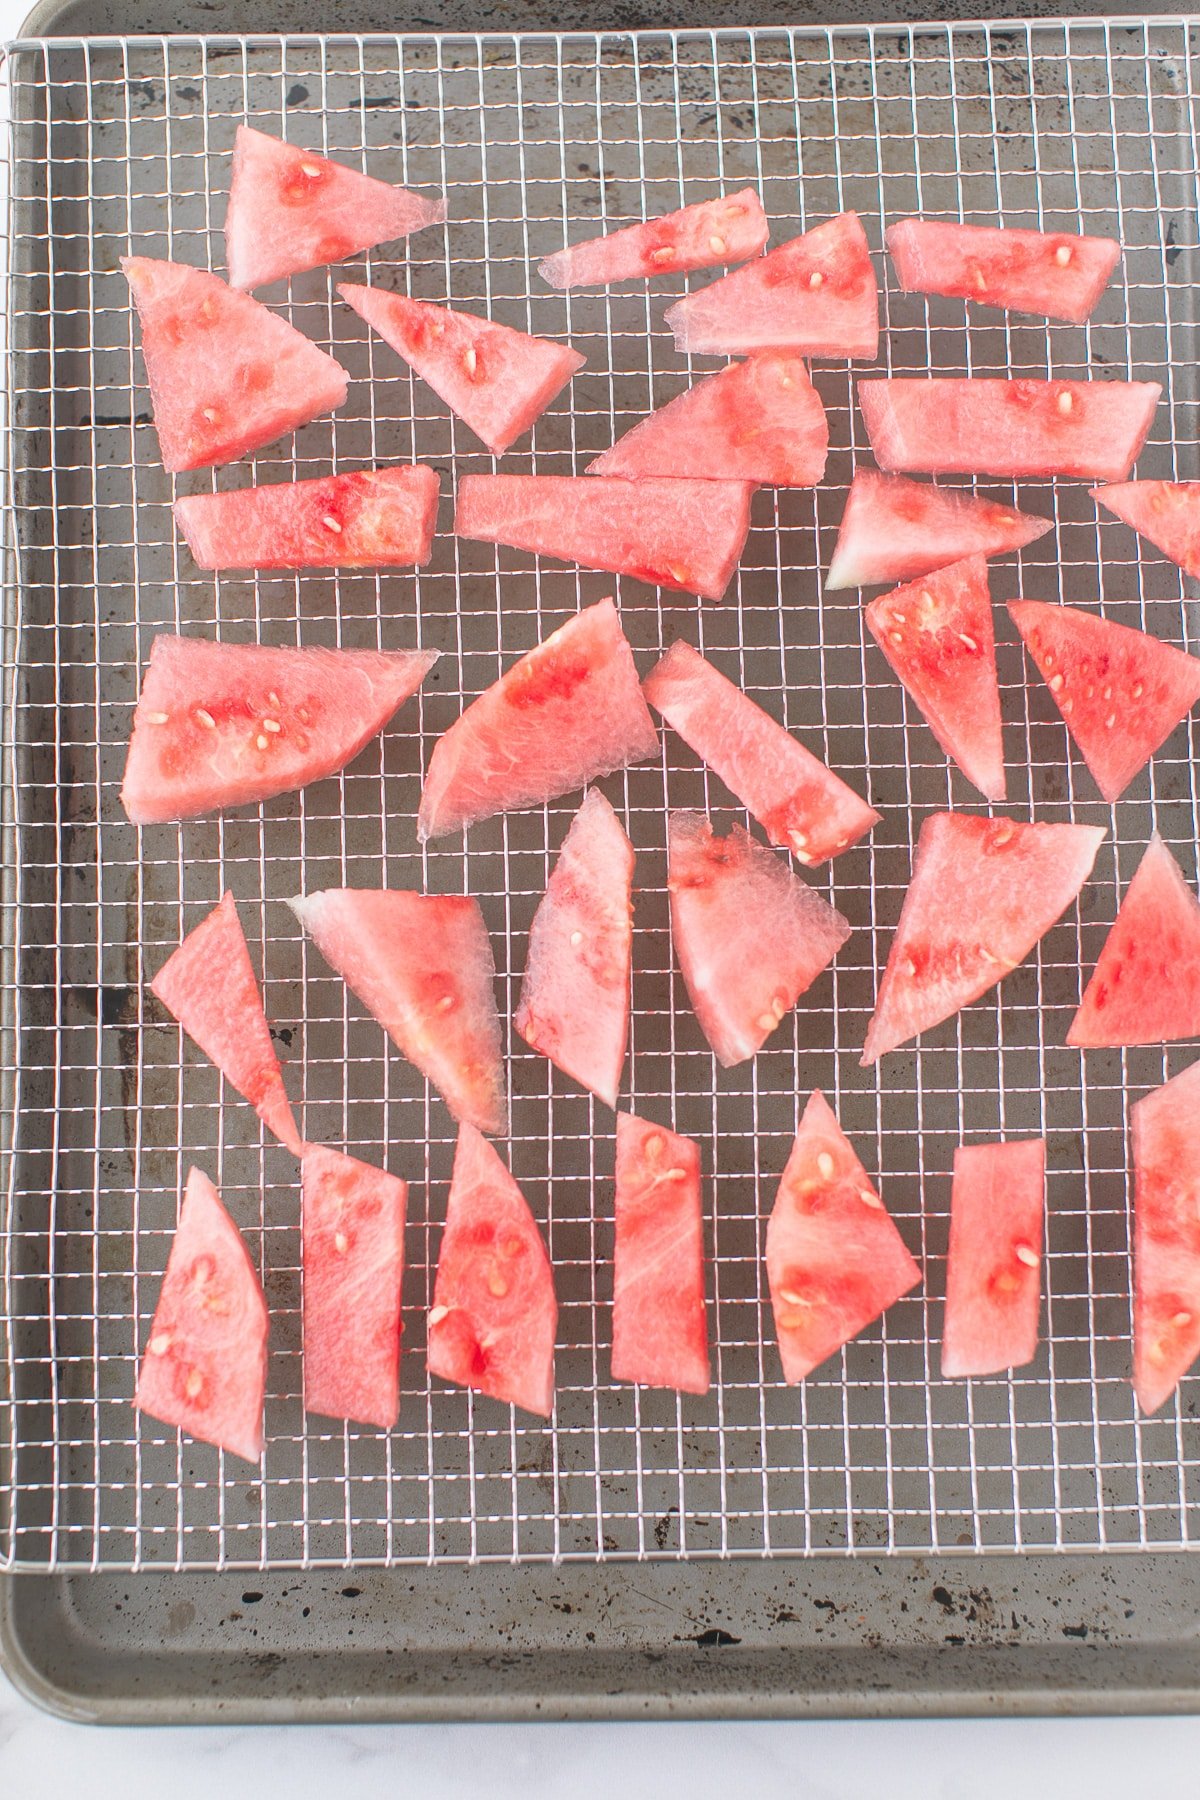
(893, 530)
(374, 518)
(660, 1334)
(993, 1265)
(1145, 988)
(1056, 274)
(352, 1247)
(1167, 513)
(1166, 1237)
(205, 1366)
(713, 231)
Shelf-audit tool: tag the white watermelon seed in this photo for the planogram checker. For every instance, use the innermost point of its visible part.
(446, 1003)
(497, 1283)
(816, 279)
(897, 637)
(826, 1165)
(438, 1313)
(204, 718)
(154, 718)
(211, 414)
(717, 245)
(766, 1021)
(871, 1199)
(331, 524)
(262, 741)
(1181, 1319)
(1026, 1254)
(1056, 682)
(1138, 690)
(676, 1174)
(1065, 402)
(341, 1242)
(302, 713)
(654, 1147)
(1062, 255)
(1110, 721)
(274, 702)
(798, 839)
(310, 169)
(271, 725)
(980, 281)
(968, 640)
(193, 1384)
(576, 939)
(471, 360)
(160, 1343)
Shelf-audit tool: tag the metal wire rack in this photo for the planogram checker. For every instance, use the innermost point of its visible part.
(115, 145)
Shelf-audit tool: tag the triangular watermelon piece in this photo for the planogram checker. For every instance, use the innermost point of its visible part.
(1145, 988)
(372, 519)
(983, 891)
(220, 725)
(835, 1260)
(893, 530)
(993, 1264)
(660, 1334)
(495, 379)
(569, 711)
(208, 984)
(1167, 513)
(713, 231)
(937, 635)
(290, 209)
(1120, 691)
(422, 965)
(225, 374)
(750, 936)
(816, 295)
(1166, 1245)
(352, 1246)
(1056, 274)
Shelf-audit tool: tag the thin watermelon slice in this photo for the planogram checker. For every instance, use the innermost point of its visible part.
(1145, 989)
(761, 420)
(352, 1246)
(660, 1335)
(679, 534)
(494, 1314)
(1120, 691)
(983, 891)
(993, 1266)
(1165, 512)
(713, 231)
(225, 374)
(750, 936)
(1166, 1237)
(937, 635)
(291, 210)
(893, 530)
(574, 1004)
(567, 712)
(221, 725)
(816, 295)
(205, 1366)
(422, 965)
(372, 519)
(976, 426)
(208, 984)
(495, 379)
(1053, 273)
(800, 804)
(835, 1260)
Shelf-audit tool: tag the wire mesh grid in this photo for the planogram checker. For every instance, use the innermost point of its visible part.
(122, 145)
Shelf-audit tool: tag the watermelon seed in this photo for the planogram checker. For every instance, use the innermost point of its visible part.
(1025, 1254)
(302, 712)
(193, 1384)
(154, 718)
(207, 309)
(1006, 1282)
(676, 1174)
(331, 524)
(897, 637)
(262, 741)
(980, 280)
(211, 414)
(664, 254)
(204, 718)
(717, 245)
(909, 968)
(1003, 836)
(310, 169)
(274, 701)
(471, 360)
(446, 1003)
(654, 1147)
(1062, 255)
(766, 1021)
(1067, 707)
(160, 1343)
(826, 1165)
(341, 1243)
(1065, 403)
(1110, 721)
(1056, 682)
(1138, 690)
(871, 1199)
(968, 640)
(925, 600)
(497, 1285)
(437, 1314)
(271, 725)
(576, 939)
(816, 279)
(1181, 1319)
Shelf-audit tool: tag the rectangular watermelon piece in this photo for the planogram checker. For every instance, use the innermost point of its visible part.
(993, 1267)
(727, 230)
(1056, 274)
(660, 1333)
(352, 1248)
(371, 519)
(894, 530)
(1165, 1131)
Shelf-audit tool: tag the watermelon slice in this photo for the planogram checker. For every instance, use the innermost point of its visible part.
(713, 231)
(1145, 989)
(894, 530)
(208, 984)
(1166, 1237)
(671, 533)
(225, 374)
(660, 1335)
(205, 1367)
(1121, 692)
(290, 210)
(983, 892)
(761, 420)
(574, 1004)
(494, 1314)
(569, 711)
(422, 965)
(835, 1260)
(800, 804)
(1053, 273)
(496, 380)
(1021, 428)
(816, 295)
(352, 1243)
(221, 725)
(937, 635)
(750, 936)
(1165, 512)
(375, 518)
(993, 1267)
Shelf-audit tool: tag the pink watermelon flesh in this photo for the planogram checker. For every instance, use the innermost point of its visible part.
(937, 635)
(1021, 428)
(1145, 989)
(422, 965)
(496, 380)
(1166, 1237)
(983, 892)
(800, 804)
(816, 295)
(290, 210)
(671, 533)
(835, 1260)
(208, 984)
(993, 1269)
(660, 1334)
(567, 712)
(894, 530)
(1121, 692)
(761, 420)
(352, 1242)
(205, 1366)
(494, 1314)
(713, 231)
(1167, 513)
(750, 936)
(375, 518)
(1053, 273)
(221, 725)
(574, 1004)
(225, 374)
